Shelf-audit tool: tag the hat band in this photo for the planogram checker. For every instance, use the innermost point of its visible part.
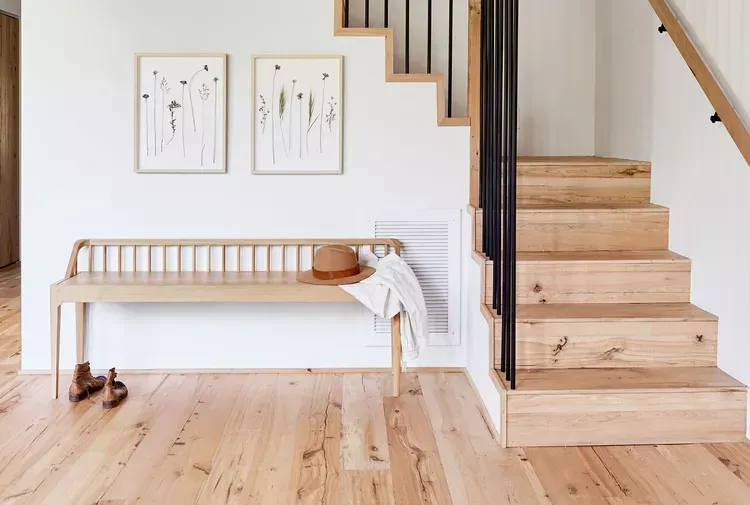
(326, 275)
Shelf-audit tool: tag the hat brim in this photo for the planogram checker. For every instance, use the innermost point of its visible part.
(307, 278)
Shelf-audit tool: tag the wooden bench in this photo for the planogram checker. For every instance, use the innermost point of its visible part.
(210, 271)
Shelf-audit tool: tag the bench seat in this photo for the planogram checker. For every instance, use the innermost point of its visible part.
(207, 287)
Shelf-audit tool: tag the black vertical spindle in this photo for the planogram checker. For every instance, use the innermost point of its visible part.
(429, 36)
(500, 277)
(512, 191)
(367, 13)
(483, 166)
(450, 57)
(346, 13)
(385, 13)
(406, 62)
(506, 323)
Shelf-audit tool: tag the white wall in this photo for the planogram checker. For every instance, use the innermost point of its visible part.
(556, 65)
(12, 7)
(78, 180)
(659, 113)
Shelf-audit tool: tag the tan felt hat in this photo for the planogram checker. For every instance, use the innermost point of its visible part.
(334, 265)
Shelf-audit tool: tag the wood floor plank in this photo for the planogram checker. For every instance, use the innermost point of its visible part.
(158, 442)
(454, 428)
(648, 476)
(181, 475)
(320, 442)
(706, 473)
(237, 449)
(736, 457)
(367, 487)
(566, 476)
(273, 464)
(364, 442)
(416, 468)
(54, 469)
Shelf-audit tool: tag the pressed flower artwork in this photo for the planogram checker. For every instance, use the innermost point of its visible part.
(181, 110)
(297, 115)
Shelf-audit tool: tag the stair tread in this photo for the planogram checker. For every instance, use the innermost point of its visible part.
(651, 256)
(592, 207)
(599, 312)
(624, 379)
(576, 160)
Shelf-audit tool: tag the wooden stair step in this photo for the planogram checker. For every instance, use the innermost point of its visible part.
(625, 406)
(599, 277)
(588, 227)
(574, 336)
(582, 179)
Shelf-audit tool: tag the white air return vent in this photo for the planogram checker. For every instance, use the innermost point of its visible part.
(431, 247)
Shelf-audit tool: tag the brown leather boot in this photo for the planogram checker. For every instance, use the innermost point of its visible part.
(114, 391)
(84, 384)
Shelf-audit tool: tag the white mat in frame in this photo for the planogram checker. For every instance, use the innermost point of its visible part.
(180, 113)
(297, 114)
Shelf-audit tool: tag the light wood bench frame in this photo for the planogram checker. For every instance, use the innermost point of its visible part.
(155, 271)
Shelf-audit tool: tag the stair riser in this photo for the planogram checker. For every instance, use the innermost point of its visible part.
(556, 184)
(599, 282)
(626, 418)
(592, 230)
(614, 344)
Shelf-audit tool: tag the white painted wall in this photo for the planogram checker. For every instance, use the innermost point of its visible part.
(658, 112)
(78, 180)
(556, 65)
(12, 7)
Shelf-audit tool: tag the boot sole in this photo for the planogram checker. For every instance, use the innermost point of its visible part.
(114, 403)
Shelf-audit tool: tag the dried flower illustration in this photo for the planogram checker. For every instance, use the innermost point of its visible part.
(273, 122)
(325, 76)
(291, 115)
(204, 92)
(216, 111)
(310, 119)
(156, 72)
(263, 114)
(164, 86)
(182, 118)
(204, 68)
(331, 115)
(299, 99)
(145, 98)
(174, 105)
(282, 110)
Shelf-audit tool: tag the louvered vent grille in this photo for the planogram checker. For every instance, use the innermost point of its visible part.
(426, 250)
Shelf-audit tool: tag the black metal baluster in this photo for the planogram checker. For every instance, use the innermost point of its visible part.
(367, 13)
(506, 190)
(512, 191)
(406, 62)
(491, 154)
(346, 13)
(484, 120)
(499, 282)
(429, 36)
(385, 13)
(450, 58)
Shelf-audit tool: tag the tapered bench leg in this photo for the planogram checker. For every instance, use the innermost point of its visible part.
(81, 309)
(396, 353)
(54, 319)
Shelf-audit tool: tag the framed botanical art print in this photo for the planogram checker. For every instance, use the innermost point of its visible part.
(180, 113)
(297, 114)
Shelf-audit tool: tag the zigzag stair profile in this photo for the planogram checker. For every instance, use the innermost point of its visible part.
(609, 348)
(340, 30)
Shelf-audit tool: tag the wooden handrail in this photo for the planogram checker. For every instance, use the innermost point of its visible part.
(721, 104)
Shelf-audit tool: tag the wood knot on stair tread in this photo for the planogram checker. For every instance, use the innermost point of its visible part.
(559, 347)
(699, 338)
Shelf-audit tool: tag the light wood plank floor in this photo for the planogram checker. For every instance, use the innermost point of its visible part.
(317, 439)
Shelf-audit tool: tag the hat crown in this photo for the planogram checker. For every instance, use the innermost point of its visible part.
(334, 258)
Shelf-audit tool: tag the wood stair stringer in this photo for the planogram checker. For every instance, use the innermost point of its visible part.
(390, 75)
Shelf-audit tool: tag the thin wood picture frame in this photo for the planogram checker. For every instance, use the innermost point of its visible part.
(257, 113)
(220, 84)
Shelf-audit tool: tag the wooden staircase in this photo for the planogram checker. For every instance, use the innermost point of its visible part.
(609, 349)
